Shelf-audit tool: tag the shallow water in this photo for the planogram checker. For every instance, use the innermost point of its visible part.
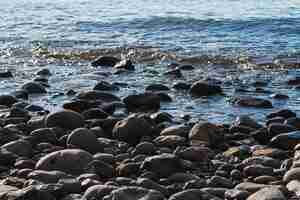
(220, 38)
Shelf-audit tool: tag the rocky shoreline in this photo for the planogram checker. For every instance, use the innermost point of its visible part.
(91, 150)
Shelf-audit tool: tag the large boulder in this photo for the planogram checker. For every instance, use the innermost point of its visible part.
(84, 139)
(133, 128)
(66, 119)
(204, 88)
(163, 165)
(72, 161)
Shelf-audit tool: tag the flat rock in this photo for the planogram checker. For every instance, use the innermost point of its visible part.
(71, 161)
(105, 61)
(203, 88)
(142, 102)
(95, 95)
(19, 147)
(254, 102)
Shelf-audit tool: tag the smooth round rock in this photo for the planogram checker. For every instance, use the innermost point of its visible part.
(34, 88)
(19, 147)
(72, 161)
(66, 119)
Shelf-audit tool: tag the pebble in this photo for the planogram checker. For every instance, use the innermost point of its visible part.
(66, 119)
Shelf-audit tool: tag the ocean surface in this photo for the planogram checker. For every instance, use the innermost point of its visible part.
(232, 40)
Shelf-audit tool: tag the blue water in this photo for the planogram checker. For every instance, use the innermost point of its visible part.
(268, 27)
(159, 30)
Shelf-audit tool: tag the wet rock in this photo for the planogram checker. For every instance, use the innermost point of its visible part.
(265, 179)
(160, 117)
(71, 161)
(44, 72)
(179, 130)
(254, 102)
(19, 147)
(294, 186)
(277, 128)
(98, 192)
(105, 86)
(235, 194)
(270, 152)
(78, 105)
(6, 74)
(146, 148)
(193, 194)
(164, 97)
(261, 160)
(279, 120)
(257, 170)
(246, 121)
(34, 88)
(171, 141)
(32, 193)
(20, 94)
(105, 61)
(94, 95)
(195, 153)
(269, 193)
(124, 64)
(149, 184)
(128, 169)
(94, 113)
(135, 193)
(46, 176)
(157, 87)
(102, 169)
(202, 88)
(294, 81)
(181, 86)
(163, 165)
(7, 100)
(142, 102)
(176, 73)
(250, 187)
(65, 119)
(133, 128)
(285, 113)
(43, 135)
(286, 140)
(236, 174)
(292, 174)
(293, 121)
(186, 67)
(205, 132)
(218, 181)
(84, 139)
(279, 96)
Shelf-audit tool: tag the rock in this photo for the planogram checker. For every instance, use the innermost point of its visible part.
(261, 160)
(294, 186)
(6, 74)
(164, 97)
(269, 193)
(95, 95)
(124, 64)
(203, 88)
(270, 152)
(32, 193)
(181, 86)
(293, 121)
(43, 135)
(84, 139)
(218, 181)
(175, 73)
(105, 86)
(250, 187)
(279, 120)
(254, 102)
(128, 169)
(257, 170)
(160, 117)
(102, 169)
(105, 157)
(215, 191)
(235, 194)
(94, 113)
(206, 132)
(179, 130)
(277, 128)
(19, 147)
(34, 88)
(149, 184)
(195, 153)
(193, 194)
(20, 94)
(142, 102)
(98, 192)
(71, 161)
(186, 67)
(66, 119)
(163, 165)
(135, 193)
(285, 113)
(247, 121)
(44, 72)
(133, 128)
(294, 81)
(171, 141)
(146, 148)
(279, 96)
(7, 100)
(157, 87)
(105, 61)
(286, 140)
(78, 105)
(46, 176)
(265, 179)
(292, 174)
